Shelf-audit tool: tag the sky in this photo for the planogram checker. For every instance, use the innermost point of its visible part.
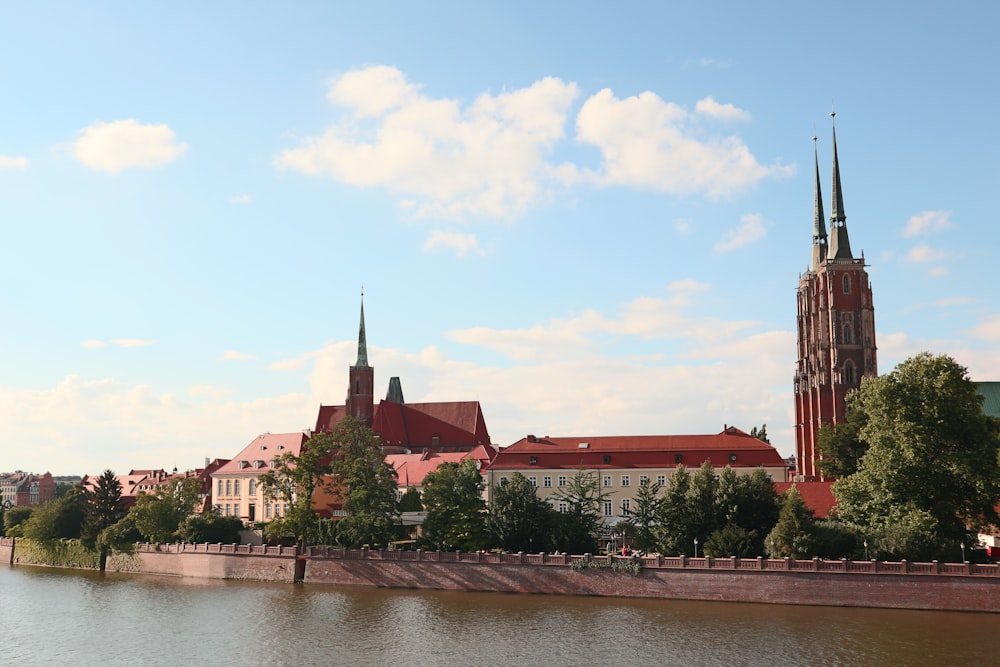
(591, 218)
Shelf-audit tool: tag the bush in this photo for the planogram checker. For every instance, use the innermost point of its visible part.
(212, 528)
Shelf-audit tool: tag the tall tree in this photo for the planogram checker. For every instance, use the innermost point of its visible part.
(646, 514)
(518, 519)
(61, 518)
(792, 536)
(294, 479)
(411, 501)
(577, 529)
(931, 464)
(367, 485)
(760, 433)
(105, 508)
(456, 511)
(840, 447)
(703, 513)
(674, 533)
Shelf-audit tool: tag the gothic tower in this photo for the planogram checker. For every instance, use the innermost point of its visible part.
(836, 327)
(360, 401)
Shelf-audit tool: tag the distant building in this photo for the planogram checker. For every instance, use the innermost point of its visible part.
(235, 487)
(836, 328)
(20, 489)
(621, 463)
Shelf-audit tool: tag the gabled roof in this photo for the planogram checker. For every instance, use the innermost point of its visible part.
(257, 456)
(445, 424)
(328, 417)
(818, 496)
(730, 447)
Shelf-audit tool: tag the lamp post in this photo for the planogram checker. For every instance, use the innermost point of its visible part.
(866, 549)
(696, 547)
(963, 551)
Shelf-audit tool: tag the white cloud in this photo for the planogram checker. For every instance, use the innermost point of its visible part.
(233, 355)
(208, 391)
(93, 344)
(461, 244)
(13, 162)
(927, 222)
(988, 329)
(126, 144)
(647, 142)
(954, 301)
(682, 225)
(240, 199)
(491, 157)
(484, 159)
(924, 253)
(750, 229)
(938, 272)
(712, 109)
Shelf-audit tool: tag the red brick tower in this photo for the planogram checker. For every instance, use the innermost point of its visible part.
(836, 328)
(360, 401)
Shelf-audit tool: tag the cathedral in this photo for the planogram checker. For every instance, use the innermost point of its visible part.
(836, 327)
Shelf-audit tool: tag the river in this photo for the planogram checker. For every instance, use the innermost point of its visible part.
(53, 616)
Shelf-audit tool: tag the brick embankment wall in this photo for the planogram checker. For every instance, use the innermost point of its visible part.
(6, 551)
(211, 561)
(842, 589)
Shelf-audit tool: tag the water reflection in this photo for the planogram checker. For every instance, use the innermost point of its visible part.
(57, 615)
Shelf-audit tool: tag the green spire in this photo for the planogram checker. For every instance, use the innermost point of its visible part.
(362, 361)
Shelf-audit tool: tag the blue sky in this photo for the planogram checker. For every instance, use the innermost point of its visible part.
(592, 220)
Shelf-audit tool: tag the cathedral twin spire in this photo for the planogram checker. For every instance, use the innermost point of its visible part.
(839, 243)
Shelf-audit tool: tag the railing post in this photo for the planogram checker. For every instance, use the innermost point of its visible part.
(761, 565)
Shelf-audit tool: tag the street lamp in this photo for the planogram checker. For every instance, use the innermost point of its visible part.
(696, 547)
(866, 549)
(963, 551)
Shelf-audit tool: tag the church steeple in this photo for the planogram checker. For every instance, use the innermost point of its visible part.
(840, 244)
(362, 361)
(819, 220)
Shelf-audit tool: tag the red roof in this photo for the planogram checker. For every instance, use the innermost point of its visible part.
(437, 425)
(411, 469)
(731, 447)
(257, 456)
(818, 496)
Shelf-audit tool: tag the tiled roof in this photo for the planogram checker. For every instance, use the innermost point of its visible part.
(818, 496)
(411, 469)
(730, 447)
(445, 424)
(258, 454)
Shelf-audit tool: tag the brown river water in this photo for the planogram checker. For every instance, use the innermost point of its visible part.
(52, 617)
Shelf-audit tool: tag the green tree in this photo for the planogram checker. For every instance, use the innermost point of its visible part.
(456, 511)
(703, 513)
(105, 507)
(58, 519)
(211, 527)
(673, 531)
(840, 447)
(645, 515)
(366, 484)
(577, 529)
(760, 434)
(411, 502)
(792, 536)
(157, 516)
(732, 540)
(295, 478)
(119, 537)
(14, 518)
(518, 519)
(930, 477)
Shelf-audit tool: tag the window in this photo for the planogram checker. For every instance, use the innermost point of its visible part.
(229, 489)
(533, 460)
(626, 506)
(533, 481)
(847, 325)
(503, 481)
(849, 375)
(563, 506)
(643, 479)
(562, 480)
(267, 511)
(547, 481)
(236, 487)
(227, 509)
(220, 487)
(847, 284)
(608, 508)
(253, 487)
(625, 480)
(607, 480)
(661, 480)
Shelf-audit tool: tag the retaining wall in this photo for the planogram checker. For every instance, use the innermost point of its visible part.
(211, 561)
(937, 586)
(7, 550)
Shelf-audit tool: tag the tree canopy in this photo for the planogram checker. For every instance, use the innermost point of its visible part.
(518, 519)
(456, 511)
(366, 484)
(930, 477)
